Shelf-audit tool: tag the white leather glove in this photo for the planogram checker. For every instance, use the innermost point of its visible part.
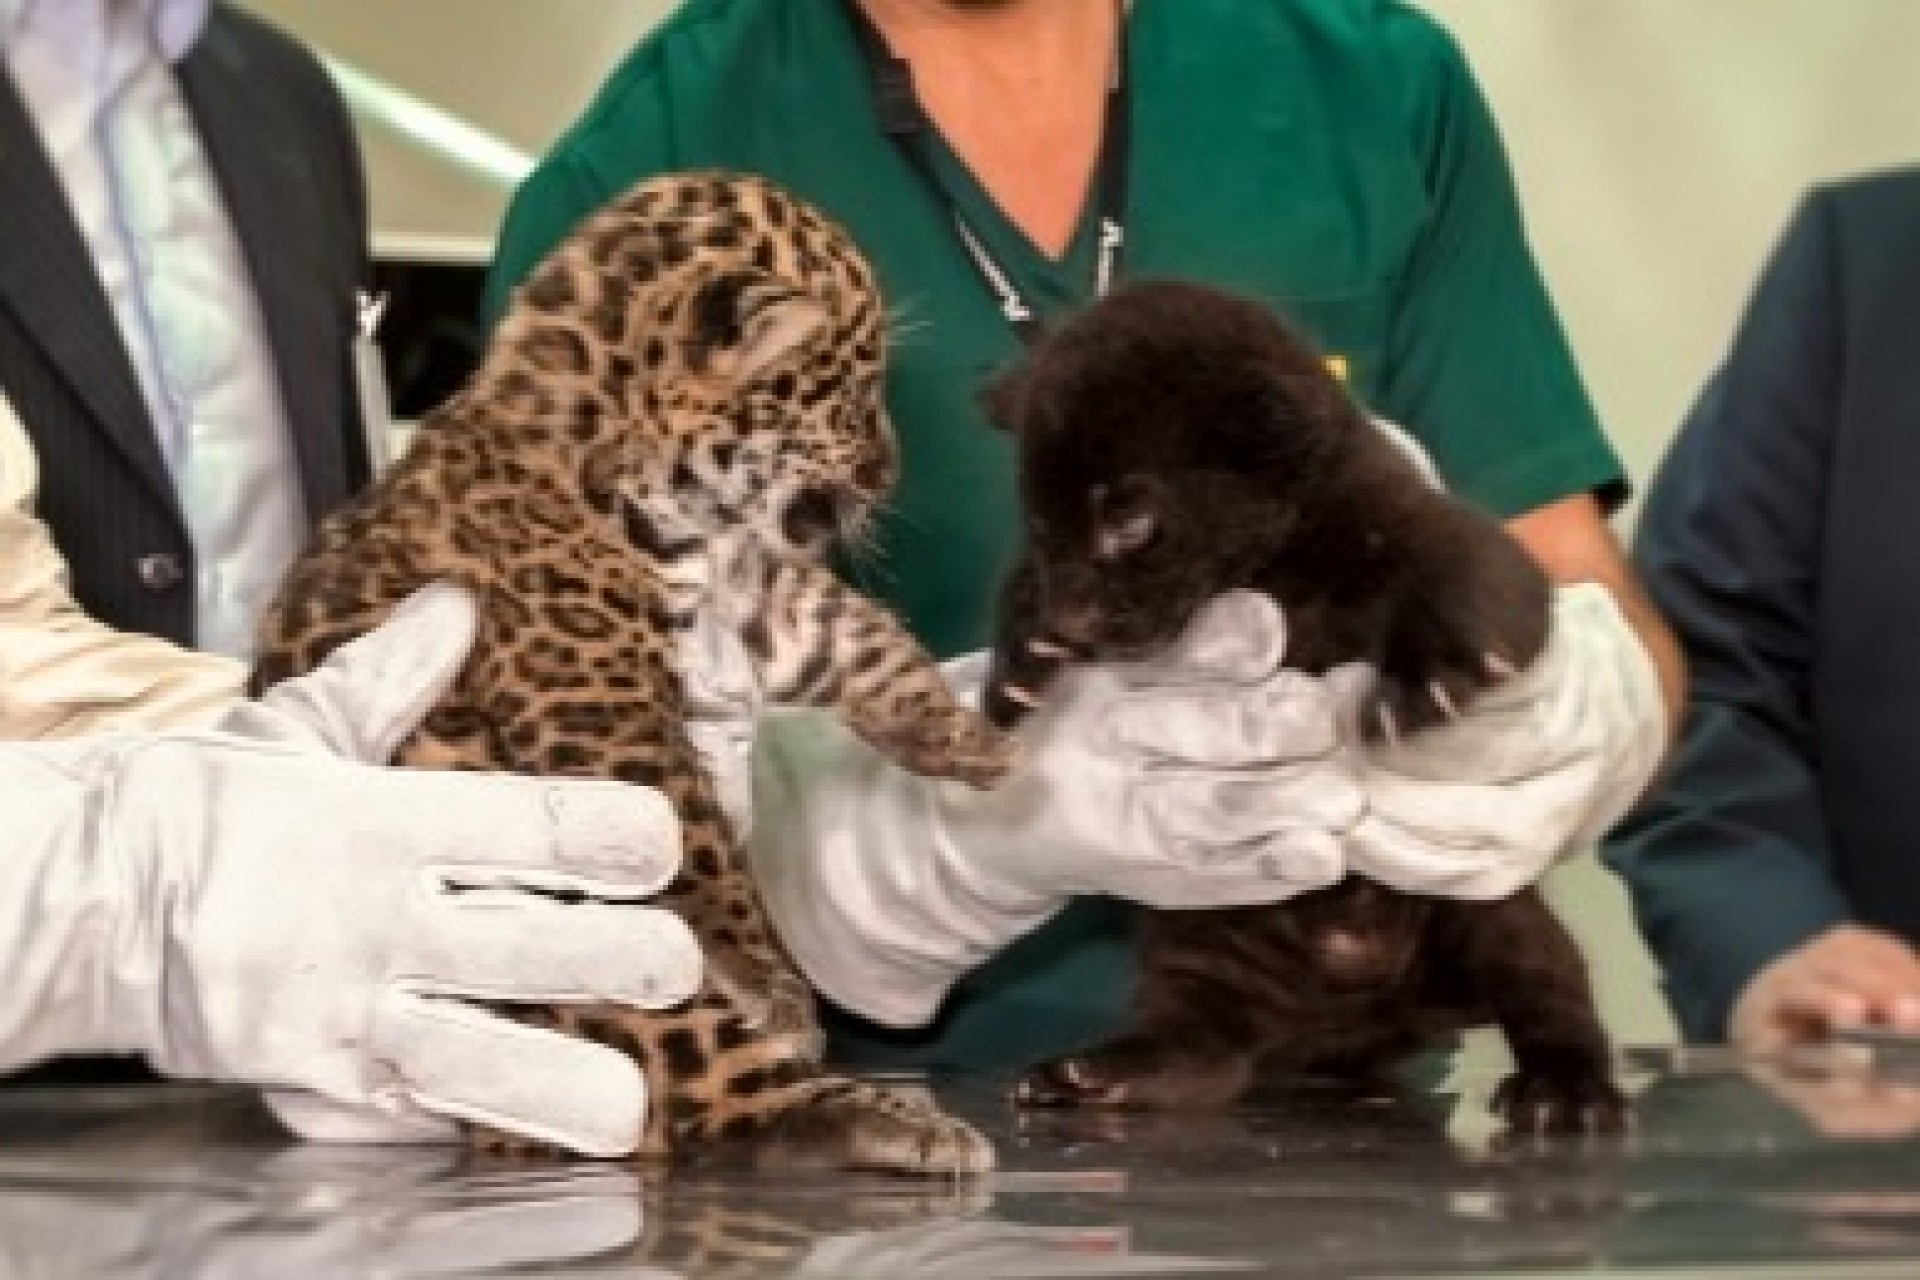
(1536, 769)
(256, 905)
(1203, 778)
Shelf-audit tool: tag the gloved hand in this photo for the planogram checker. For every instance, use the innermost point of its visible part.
(257, 905)
(1536, 769)
(1206, 777)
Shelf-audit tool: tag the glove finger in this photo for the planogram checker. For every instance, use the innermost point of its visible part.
(1449, 841)
(1237, 637)
(451, 1059)
(371, 692)
(1382, 856)
(1411, 449)
(1272, 868)
(1203, 810)
(1529, 814)
(1287, 718)
(600, 838)
(511, 946)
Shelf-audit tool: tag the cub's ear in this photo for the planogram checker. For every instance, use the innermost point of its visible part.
(1004, 399)
(745, 322)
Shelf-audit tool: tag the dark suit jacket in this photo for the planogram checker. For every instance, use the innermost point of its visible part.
(283, 151)
(1782, 539)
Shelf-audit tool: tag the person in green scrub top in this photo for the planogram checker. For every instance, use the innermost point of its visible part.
(1000, 161)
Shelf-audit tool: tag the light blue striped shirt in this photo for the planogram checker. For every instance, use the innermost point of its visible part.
(97, 77)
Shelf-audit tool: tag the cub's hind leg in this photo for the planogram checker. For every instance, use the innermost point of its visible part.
(736, 1069)
(1196, 1033)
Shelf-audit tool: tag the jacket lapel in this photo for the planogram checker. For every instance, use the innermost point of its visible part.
(48, 281)
(259, 158)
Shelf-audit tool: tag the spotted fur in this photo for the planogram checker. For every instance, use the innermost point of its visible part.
(681, 409)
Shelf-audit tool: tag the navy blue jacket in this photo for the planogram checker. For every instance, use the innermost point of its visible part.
(1782, 540)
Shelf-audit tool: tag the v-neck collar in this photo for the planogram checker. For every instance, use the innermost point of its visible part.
(1065, 281)
(1068, 278)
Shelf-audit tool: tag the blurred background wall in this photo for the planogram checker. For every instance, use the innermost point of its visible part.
(1659, 147)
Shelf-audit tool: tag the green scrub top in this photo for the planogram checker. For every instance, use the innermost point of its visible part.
(1333, 157)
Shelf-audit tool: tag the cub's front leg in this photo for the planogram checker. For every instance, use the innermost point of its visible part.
(1025, 659)
(1520, 962)
(820, 643)
(1472, 607)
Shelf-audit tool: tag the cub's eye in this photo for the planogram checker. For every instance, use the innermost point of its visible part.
(1125, 536)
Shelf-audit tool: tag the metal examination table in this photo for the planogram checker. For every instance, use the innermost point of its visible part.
(1734, 1170)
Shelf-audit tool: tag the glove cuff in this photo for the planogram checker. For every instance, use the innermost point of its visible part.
(84, 969)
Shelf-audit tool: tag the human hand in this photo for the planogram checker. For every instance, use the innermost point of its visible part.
(267, 905)
(1849, 976)
(1849, 1101)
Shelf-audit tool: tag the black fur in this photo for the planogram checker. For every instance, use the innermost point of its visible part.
(1177, 442)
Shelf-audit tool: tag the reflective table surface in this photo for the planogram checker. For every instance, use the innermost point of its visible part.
(1800, 1169)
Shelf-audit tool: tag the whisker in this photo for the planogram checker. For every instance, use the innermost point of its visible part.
(903, 323)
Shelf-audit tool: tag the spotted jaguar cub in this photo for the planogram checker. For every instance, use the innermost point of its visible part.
(680, 410)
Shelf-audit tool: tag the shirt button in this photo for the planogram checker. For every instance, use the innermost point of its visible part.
(161, 571)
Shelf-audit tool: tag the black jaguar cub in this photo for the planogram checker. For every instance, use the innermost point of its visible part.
(1175, 442)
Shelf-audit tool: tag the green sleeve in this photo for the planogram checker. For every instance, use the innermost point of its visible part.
(1477, 364)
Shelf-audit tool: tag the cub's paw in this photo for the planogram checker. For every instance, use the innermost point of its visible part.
(1019, 677)
(866, 1128)
(1073, 1081)
(958, 744)
(1141, 1071)
(1538, 1102)
(1453, 637)
(501, 1145)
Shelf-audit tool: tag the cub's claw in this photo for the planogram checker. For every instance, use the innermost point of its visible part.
(1067, 1082)
(963, 746)
(1540, 1103)
(1014, 693)
(1389, 725)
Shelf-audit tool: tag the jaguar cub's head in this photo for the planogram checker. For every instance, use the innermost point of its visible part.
(1171, 438)
(732, 342)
